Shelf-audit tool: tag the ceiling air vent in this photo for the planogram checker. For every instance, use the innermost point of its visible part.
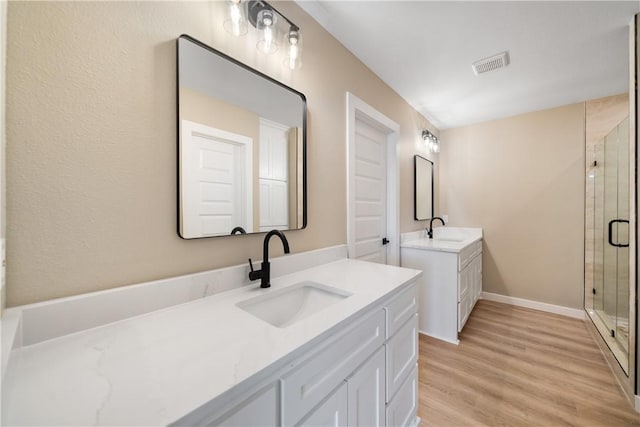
(492, 63)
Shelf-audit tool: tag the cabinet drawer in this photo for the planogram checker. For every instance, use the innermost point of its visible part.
(469, 253)
(402, 355)
(312, 380)
(401, 308)
(403, 409)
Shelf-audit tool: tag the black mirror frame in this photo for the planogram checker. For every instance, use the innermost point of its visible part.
(259, 74)
(415, 188)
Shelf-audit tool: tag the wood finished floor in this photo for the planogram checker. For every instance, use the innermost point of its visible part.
(519, 367)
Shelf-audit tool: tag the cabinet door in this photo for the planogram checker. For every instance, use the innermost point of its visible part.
(365, 389)
(260, 409)
(331, 413)
(478, 276)
(401, 355)
(403, 409)
(465, 281)
(465, 294)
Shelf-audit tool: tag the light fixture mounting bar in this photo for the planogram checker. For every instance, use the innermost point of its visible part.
(255, 6)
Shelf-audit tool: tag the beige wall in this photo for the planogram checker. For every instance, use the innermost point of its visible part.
(91, 142)
(522, 180)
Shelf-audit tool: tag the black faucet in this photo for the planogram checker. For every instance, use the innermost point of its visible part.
(430, 229)
(238, 230)
(264, 274)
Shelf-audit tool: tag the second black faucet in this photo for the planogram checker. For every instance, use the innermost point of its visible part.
(430, 229)
(264, 274)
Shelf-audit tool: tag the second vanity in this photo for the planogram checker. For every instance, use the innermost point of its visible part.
(225, 359)
(452, 277)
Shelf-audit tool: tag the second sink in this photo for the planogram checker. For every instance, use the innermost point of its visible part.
(284, 307)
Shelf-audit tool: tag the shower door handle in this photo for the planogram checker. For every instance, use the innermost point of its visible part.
(613, 221)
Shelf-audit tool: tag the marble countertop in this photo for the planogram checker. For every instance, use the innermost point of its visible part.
(156, 368)
(445, 239)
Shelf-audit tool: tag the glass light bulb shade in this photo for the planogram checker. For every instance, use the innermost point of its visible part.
(236, 21)
(436, 147)
(266, 24)
(267, 43)
(292, 59)
(266, 18)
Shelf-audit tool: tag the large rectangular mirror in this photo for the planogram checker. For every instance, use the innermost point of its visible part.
(241, 147)
(423, 188)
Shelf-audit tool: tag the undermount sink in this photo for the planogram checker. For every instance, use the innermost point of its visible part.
(284, 307)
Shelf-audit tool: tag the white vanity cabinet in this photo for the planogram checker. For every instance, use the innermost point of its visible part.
(365, 374)
(450, 285)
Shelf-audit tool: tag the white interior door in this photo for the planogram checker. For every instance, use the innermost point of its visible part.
(370, 200)
(372, 184)
(274, 181)
(273, 205)
(215, 181)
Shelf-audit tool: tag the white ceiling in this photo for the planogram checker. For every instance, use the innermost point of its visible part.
(561, 52)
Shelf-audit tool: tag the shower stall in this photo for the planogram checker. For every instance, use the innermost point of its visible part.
(607, 240)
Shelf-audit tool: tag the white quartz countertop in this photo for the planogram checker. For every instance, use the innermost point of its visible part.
(445, 239)
(156, 368)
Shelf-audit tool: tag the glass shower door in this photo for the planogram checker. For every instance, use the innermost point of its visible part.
(610, 178)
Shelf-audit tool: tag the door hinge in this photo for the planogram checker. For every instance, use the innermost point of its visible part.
(385, 240)
(593, 290)
(613, 333)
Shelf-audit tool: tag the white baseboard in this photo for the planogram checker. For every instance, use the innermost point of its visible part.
(550, 308)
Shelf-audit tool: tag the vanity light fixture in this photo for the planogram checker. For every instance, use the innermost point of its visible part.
(432, 141)
(269, 24)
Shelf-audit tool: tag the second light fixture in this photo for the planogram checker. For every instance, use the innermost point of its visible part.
(432, 141)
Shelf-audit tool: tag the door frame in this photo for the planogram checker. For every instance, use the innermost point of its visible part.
(358, 109)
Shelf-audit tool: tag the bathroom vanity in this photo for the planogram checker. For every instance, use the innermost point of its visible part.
(330, 344)
(452, 277)
(362, 375)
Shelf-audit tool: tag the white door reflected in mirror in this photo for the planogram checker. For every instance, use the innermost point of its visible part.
(217, 177)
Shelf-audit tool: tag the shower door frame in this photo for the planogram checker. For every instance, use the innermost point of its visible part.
(598, 178)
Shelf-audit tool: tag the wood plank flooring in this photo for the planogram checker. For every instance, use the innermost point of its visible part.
(519, 367)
